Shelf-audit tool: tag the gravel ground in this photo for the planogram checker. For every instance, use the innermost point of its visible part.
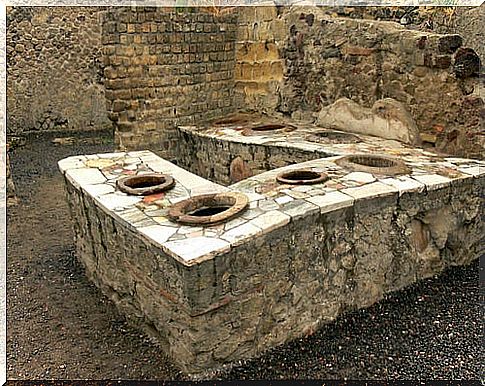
(59, 326)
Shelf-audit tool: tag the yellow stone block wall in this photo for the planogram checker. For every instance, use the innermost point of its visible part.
(259, 68)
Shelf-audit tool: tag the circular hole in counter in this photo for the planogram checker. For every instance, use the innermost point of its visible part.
(376, 164)
(208, 209)
(333, 137)
(301, 177)
(268, 127)
(145, 184)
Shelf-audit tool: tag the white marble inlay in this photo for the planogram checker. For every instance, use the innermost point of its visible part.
(240, 233)
(271, 220)
(184, 229)
(207, 189)
(404, 184)
(71, 163)
(268, 204)
(332, 201)
(254, 196)
(302, 188)
(114, 200)
(299, 208)
(112, 155)
(376, 189)
(191, 181)
(234, 223)
(158, 233)
(432, 181)
(98, 189)
(133, 215)
(139, 153)
(85, 176)
(196, 247)
(295, 194)
(283, 200)
(364, 178)
(473, 170)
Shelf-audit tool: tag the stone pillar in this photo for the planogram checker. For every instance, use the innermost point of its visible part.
(166, 67)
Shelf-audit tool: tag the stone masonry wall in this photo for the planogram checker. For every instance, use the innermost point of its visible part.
(327, 57)
(216, 159)
(164, 68)
(11, 196)
(259, 68)
(54, 69)
(465, 21)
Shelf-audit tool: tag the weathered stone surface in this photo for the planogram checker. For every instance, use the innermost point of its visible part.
(54, 69)
(466, 64)
(11, 196)
(208, 151)
(388, 118)
(367, 61)
(232, 290)
(239, 170)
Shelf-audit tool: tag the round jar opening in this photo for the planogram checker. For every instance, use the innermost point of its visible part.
(145, 184)
(374, 164)
(373, 161)
(333, 137)
(208, 209)
(269, 127)
(266, 128)
(301, 177)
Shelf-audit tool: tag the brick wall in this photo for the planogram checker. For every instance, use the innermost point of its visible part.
(164, 68)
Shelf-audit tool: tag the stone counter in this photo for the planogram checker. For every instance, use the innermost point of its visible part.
(229, 152)
(295, 259)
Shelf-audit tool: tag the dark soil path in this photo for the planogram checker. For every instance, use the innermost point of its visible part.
(60, 326)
